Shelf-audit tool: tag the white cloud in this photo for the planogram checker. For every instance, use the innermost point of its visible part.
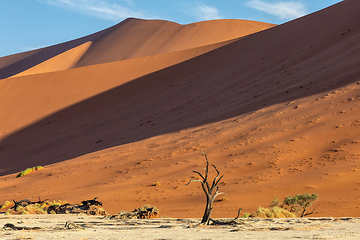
(285, 10)
(105, 9)
(205, 12)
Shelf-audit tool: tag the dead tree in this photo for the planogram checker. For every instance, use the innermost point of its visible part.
(211, 192)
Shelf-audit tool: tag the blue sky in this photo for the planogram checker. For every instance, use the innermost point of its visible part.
(31, 24)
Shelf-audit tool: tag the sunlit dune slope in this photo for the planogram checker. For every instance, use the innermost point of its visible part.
(277, 112)
(63, 61)
(138, 38)
(131, 38)
(17, 63)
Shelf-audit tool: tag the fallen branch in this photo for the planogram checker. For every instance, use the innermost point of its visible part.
(231, 222)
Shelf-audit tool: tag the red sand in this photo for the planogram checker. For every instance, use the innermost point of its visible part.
(276, 111)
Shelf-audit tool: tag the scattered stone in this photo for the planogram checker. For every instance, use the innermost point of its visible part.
(72, 225)
(10, 226)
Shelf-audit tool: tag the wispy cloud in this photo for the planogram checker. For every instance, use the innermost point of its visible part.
(105, 9)
(285, 10)
(205, 12)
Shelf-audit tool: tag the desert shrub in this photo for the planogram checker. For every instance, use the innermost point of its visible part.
(5, 205)
(20, 210)
(146, 211)
(28, 170)
(300, 203)
(275, 212)
(275, 202)
(24, 212)
(35, 208)
(297, 204)
(46, 204)
(38, 210)
(146, 207)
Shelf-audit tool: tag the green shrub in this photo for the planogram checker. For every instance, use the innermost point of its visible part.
(300, 203)
(297, 204)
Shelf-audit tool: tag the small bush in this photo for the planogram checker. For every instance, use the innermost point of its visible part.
(146, 211)
(297, 204)
(223, 199)
(275, 212)
(5, 205)
(300, 203)
(28, 170)
(146, 207)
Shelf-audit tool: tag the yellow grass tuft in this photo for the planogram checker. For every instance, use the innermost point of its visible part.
(275, 212)
(28, 170)
(5, 205)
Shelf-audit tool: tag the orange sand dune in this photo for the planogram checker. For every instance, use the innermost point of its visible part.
(131, 38)
(63, 61)
(17, 63)
(138, 38)
(57, 90)
(277, 112)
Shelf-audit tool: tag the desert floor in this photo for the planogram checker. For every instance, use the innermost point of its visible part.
(94, 227)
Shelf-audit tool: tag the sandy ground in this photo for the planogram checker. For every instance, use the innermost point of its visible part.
(91, 227)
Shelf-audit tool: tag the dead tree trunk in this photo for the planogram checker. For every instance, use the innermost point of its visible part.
(211, 192)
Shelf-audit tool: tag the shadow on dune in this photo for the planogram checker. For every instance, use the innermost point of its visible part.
(231, 81)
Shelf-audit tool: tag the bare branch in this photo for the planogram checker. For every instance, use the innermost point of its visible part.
(193, 181)
(308, 213)
(219, 180)
(204, 153)
(238, 215)
(206, 172)
(202, 185)
(199, 175)
(218, 173)
(217, 194)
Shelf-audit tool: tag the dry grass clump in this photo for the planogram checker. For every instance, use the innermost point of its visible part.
(25, 206)
(275, 212)
(5, 205)
(28, 170)
(38, 208)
